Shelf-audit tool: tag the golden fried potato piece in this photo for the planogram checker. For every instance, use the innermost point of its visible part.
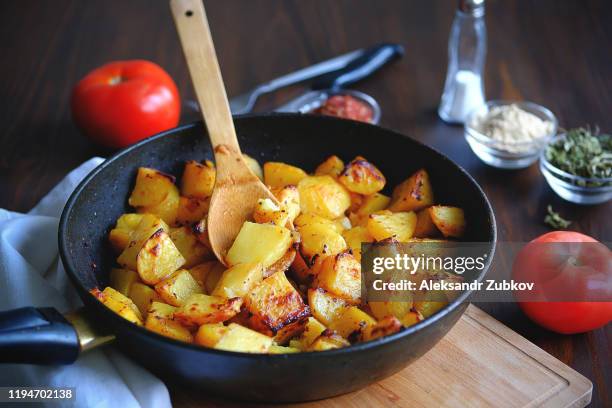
(353, 323)
(449, 220)
(242, 339)
(262, 243)
(384, 224)
(178, 287)
(189, 246)
(325, 307)
(160, 320)
(143, 295)
(201, 309)
(198, 179)
(323, 196)
(278, 175)
(362, 177)
(158, 258)
(332, 166)
(354, 237)
(341, 275)
(151, 188)
(275, 304)
(167, 209)
(413, 194)
(384, 327)
(118, 303)
(328, 340)
(208, 335)
(238, 280)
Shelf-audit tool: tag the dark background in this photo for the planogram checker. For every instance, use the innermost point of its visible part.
(556, 53)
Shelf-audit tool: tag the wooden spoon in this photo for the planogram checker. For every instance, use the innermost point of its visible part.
(237, 189)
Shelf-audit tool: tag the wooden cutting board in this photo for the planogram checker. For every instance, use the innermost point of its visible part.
(479, 363)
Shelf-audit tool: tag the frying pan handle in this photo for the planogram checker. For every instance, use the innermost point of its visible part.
(37, 336)
(367, 64)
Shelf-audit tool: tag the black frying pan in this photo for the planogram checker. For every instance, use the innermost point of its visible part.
(44, 336)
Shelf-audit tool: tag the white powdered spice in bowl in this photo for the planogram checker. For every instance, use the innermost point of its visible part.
(509, 135)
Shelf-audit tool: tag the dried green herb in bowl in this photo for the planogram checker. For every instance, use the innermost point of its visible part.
(583, 153)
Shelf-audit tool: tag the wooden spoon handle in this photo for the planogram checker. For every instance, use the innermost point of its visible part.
(194, 32)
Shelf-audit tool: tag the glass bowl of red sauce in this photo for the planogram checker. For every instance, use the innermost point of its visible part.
(347, 104)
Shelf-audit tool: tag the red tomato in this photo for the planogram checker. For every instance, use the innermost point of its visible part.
(123, 102)
(564, 267)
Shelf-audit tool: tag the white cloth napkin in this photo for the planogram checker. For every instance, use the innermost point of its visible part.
(31, 274)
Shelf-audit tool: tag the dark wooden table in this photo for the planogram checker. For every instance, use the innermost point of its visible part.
(553, 53)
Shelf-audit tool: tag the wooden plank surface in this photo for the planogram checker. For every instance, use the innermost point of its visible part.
(479, 363)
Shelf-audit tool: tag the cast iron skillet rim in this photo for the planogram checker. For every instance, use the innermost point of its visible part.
(356, 347)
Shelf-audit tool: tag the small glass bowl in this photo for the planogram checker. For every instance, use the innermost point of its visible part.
(509, 156)
(576, 189)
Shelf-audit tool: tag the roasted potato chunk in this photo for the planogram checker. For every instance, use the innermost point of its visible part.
(119, 236)
(289, 199)
(341, 275)
(158, 258)
(380, 310)
(122, 279)
(260, 243)
(159, 320)
(208, 335)
(198, 179)
(328, 340)
(118, 303)
(201, 309)
(332, 166)
(320, 240)
(373, 203)
(253, 165)
(238, 280)
(191, 210)
(384, 327)
(278, 175)
(354, 237)
(309, 219)
(151, 188)
(167, 209)
(189, 246)
(178, 287)
(425, 226)
(362, 177)
(384, 224)
(143, 295)
(413, 194)
(149, 224)
(324, 196)
(267, 211)
(352, 323)
(275, 304)
(312, 330)
(242, 339)
(325, 307)
(449, 220)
